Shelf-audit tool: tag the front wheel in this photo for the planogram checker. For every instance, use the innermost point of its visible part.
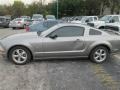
(20, 55)
(99, 54)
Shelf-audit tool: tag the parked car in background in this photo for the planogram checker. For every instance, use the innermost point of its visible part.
(4, 21)
(105, 20)
(50, 17)
(112, 27)
(26, 17)
(37, 17)
(42, 26)
(84, 19)
(18, 23)
(61, 41)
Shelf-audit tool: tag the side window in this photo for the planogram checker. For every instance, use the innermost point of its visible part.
(94, 32)
(95, 18)
(89, 19)
(68, 31)
(115, 19)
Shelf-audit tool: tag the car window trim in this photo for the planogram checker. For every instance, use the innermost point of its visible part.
(68, 26)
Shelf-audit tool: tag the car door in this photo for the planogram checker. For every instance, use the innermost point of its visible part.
(64, 41)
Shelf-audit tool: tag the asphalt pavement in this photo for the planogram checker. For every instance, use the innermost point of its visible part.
(63, 74)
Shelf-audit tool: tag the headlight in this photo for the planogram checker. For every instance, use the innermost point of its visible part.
(1, 49)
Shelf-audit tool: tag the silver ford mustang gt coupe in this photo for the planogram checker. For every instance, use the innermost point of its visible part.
(61, 41)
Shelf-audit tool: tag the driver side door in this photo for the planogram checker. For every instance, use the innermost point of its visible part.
(64, 42)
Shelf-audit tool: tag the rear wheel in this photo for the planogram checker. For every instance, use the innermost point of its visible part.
(24, 26)
(20, 55)
(13, 28)
(99, 54)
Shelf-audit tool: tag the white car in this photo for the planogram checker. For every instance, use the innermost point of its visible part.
(114, 27)
(85, 19)
(18, 23)
(107, 19)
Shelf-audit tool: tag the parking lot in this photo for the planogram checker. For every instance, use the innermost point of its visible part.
(65, 74)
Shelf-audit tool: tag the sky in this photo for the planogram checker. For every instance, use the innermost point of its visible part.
(7, 2)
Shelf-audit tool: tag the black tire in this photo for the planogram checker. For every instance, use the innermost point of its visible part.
(24, 26)
(13, 28)
(92, 54)
(29, 56)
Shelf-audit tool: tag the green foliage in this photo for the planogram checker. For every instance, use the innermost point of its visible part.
(66, 8)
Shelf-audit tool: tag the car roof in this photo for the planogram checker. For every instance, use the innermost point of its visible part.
(73, 24)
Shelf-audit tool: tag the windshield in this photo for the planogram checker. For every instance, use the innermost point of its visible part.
(80, 17)
(17, 19)
(37, 17)
(105, 18)
(50, 17)
(2, 19)
(84, 18)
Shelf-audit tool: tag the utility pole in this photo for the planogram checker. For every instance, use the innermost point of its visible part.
(57, 9)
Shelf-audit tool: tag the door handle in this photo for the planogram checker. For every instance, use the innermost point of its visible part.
(77, 40)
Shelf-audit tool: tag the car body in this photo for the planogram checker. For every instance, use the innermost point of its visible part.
(114, 27)
(4, 21)
(105, 20)
(60, 41)
(18, 23)
(42, 26)
(85, 19)
(50, 17)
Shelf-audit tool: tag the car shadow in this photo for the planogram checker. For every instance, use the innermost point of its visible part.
(78, 60)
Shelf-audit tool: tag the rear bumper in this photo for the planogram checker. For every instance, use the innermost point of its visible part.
(16, 26)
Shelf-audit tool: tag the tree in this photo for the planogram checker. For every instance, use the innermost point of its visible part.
(18, 9)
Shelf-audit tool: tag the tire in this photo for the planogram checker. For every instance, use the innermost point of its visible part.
(13, 28)
(19, 55)
(99, 54)
(24, 26)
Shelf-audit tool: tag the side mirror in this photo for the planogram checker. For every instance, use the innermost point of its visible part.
(53, 37)
(38, 33)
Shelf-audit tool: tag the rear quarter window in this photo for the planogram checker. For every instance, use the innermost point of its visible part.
(94, 32)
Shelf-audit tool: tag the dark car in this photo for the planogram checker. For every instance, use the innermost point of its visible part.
(4, 21)
(42, 26)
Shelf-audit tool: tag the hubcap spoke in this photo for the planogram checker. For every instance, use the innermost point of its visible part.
(100, 55)
(19, 55)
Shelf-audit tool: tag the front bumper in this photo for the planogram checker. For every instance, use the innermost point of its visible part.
(15, 25)
(2, 52)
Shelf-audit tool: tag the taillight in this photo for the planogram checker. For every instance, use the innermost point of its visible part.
(27, 29)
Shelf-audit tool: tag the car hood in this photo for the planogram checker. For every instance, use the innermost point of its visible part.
(19, 37)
